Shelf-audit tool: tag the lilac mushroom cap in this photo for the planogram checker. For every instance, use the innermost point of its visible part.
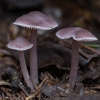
(77, 34)
(35, 20)
(19, 44)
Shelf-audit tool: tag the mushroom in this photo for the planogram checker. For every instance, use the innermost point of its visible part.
(35, 20)
(22, 44)
(77, 34)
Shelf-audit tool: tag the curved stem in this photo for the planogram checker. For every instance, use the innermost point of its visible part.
(33, 57)
(74, 63)
(24, 70)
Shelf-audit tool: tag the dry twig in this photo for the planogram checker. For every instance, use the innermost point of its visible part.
(37, 91)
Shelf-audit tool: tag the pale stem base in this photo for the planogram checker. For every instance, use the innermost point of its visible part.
(24, 70)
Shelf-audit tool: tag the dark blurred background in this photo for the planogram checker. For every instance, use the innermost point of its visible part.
(82, 13)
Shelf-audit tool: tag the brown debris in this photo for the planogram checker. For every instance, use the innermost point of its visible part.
(47, 56)
(36, 93)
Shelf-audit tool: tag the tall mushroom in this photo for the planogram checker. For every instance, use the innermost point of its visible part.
(35, 20)
(22, 44)
(77, 34)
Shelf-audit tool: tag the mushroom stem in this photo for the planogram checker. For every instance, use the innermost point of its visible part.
(74, 63)
(24, 70)
(33, 57)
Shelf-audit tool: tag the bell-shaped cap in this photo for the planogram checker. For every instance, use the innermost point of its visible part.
(36, 20)
(19, 44)
(77, 33)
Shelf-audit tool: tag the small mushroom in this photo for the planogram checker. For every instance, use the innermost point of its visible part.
(35, 20)
(22, 44)
(77, 34)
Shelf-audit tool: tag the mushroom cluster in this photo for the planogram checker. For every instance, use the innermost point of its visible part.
(36, 20)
